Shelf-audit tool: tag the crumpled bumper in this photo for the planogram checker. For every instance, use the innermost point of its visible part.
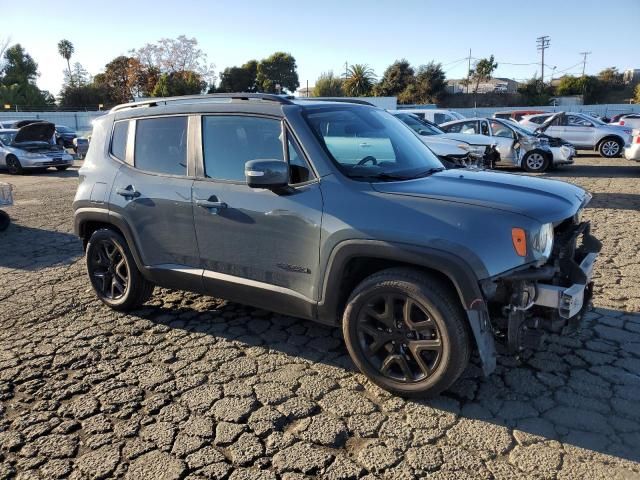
(563, 155)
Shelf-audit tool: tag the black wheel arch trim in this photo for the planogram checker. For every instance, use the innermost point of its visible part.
(456, 269)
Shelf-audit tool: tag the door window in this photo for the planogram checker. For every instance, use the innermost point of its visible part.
(161, 145)
(500, 130)
(576, 121)
(299, 169)
(229, 142)
(462, 127)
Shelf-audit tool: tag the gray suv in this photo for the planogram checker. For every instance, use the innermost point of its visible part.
(338, 213)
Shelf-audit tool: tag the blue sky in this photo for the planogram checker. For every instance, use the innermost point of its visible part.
(323, 35)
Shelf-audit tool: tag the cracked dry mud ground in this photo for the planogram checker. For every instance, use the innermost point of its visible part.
(192, 387)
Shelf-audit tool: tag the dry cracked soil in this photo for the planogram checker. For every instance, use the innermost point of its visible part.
(192, 387)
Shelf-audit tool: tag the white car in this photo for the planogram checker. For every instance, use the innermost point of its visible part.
(30, 147)
(563, 152)
(534, 121)
(632, 152)
(631, 120)
(586, 132)
(434, 115)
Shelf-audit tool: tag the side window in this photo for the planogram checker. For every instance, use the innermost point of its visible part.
(454, 128)
(500, 130)
(484, 128)
(575, 121)
(228, 142)
(469, 127)
(161, 145)
(119, 140)
(440, 118)
(299, 170)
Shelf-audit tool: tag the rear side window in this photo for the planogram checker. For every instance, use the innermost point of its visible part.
(161, 145)
(119, 140)
(231, 141)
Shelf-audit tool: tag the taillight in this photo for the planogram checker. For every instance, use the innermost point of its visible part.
(636, 139)
(621, 122)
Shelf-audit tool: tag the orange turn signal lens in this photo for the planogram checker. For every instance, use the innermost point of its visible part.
(519, 241)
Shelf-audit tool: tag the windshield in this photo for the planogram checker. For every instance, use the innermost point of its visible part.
(7, 137)
(593, 119)
(368, 143)
(418, 125)
(519, 127)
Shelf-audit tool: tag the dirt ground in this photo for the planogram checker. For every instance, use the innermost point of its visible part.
(194, 387)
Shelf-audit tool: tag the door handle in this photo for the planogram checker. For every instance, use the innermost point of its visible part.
(210, 203)
(128, 192)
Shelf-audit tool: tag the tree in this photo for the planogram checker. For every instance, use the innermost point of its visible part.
(482, 71)
(77, 76)
(637, 93)
(65, 49)
(277, 69)
(179, 83)
(328, 85)
(396, 78)
(535, 92)
(359, 80)
(82, 96)
(179, 55)
(19, 66)
(610, 76)
(239, 79)
(430, 83)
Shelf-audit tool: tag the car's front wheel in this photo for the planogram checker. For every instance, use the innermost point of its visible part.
(406, 332)
(14, 166)
(610, 147)
(535, 161)
(113, 273)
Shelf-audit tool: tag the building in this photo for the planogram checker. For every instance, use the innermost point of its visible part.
(493, 85)
(631, 75)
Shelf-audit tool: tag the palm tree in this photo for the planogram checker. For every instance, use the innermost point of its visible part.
(359, 80)
(65, 49)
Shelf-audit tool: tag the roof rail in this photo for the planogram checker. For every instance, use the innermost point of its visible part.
(336, 99)
(187, 99)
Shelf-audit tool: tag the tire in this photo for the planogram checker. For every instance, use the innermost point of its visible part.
(535, 161)
(4, 221)
(113, 272)
(13, 165)
(610, 147)
(435, 343)
(62, 169)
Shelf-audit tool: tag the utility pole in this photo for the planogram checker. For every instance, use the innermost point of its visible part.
(584, 60)
(469, 71)
(346, 70)
(542, 43)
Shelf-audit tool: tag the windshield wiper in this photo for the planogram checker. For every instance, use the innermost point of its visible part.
(382, 176)
(427, 173)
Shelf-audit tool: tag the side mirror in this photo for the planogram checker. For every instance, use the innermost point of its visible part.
(270, 174)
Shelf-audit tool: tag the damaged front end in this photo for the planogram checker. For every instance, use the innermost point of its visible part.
(553, 297)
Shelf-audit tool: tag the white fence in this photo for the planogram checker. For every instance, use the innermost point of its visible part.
(605, 110)
(79, 121)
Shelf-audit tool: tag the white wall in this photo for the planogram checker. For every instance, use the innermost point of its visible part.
(79, 121)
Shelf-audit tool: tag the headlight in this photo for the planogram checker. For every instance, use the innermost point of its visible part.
(31, 155)
(542, 241)
(477, 150)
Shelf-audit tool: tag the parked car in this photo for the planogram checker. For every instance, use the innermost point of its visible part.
(516, 114)
(65, 136)
(6, 200)
(631, 120)
(279, 204)
(586, 133)
(30, 148)
(479, 151)
(435, 115)
(533, 121)
(632, 152)
(514, 147)
(563, 152)
(80, 146)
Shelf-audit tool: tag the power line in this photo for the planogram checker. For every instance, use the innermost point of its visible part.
(542, 43)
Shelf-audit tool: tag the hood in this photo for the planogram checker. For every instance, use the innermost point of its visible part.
(35, 132)
(536, 198)
(443, 146)
(471, 138)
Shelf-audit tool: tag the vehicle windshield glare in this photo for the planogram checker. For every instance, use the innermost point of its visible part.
(7, 137)
(368, 143)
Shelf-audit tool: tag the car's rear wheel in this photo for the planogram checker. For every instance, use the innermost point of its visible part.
(406, 332)
(113, 273)
(4, 221)
(535, 161)
(14, 166)
(610, 147)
